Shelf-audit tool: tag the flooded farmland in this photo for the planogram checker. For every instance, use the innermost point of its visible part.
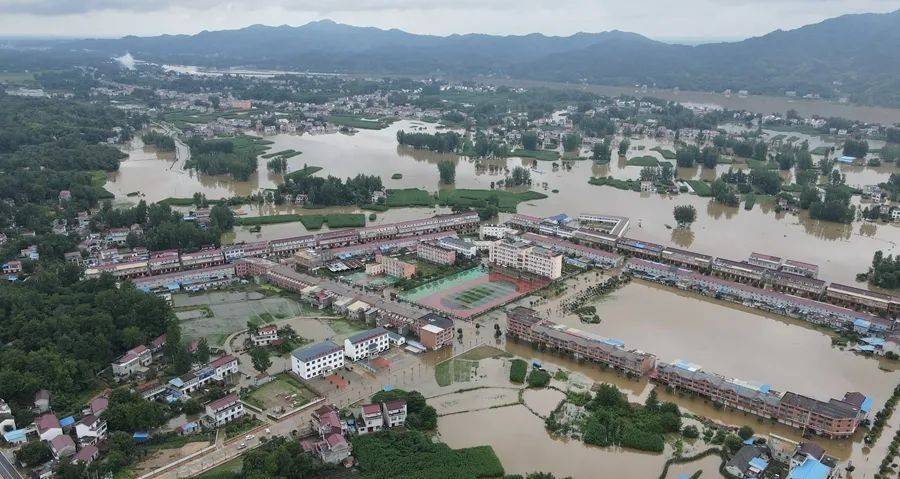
(840, 250)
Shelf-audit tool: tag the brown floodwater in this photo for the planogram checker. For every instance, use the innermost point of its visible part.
(523, 445)
(735, 341)
(542, 401)
(841, 251)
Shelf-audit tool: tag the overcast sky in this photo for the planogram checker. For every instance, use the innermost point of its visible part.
(660, 19)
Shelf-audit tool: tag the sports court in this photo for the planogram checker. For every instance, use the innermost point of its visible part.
(471, 292)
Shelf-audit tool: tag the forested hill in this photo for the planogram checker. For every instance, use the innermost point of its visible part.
(852, 55)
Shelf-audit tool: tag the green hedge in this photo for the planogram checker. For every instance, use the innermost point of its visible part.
(517, 370)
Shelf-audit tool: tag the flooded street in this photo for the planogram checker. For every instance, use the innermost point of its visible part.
(735, 341)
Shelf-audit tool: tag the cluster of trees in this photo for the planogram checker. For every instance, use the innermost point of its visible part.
(856, 148)
(519, 176)
(219, 157)
(332, 191)
(485, 147)
(689, 155)
(685, 214)
(530, 141)
(613, 421)
(724, 193)
(743, 147)
(447, 142)
(601, 152)
(277, 164)
(664, 173)
(159, 140)
(571, 142)
(164, 228)
(885, 271)
(447, 171)
(834, 205)
(59, 332)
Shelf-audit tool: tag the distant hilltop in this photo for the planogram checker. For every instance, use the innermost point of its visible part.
(851, 56)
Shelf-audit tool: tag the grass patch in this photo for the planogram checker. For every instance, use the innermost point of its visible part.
(413, 455)
(353, 121)
(289, 153)
(630, 185)
(443, 374)
(768, 165)
(666, 153)
(819, 150)
(267, 219)
(642, 161)
(517, 370)
(335, 220)
(282, 385)
(484, 352)
(700, 187)
(344, 326)
(541, 155)
(305, 171)
(506, 201)
(224, 470)
(409, 197)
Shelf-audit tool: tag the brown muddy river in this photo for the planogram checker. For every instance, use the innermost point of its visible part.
(841, 250)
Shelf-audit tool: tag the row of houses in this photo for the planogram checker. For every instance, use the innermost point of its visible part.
(833, 418)
(152, 263)
(785, 304)
(761, 270)
(525, 325)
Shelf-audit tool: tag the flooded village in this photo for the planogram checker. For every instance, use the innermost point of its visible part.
(750, 341)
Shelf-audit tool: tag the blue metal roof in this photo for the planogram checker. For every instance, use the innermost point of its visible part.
(810, 469)
(862, 323)
(866, 405)
(873, 341)
(17, 435)
(759, 463)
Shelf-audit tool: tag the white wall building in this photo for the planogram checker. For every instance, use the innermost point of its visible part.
(317, 359)
(366, 344)
(222, 411)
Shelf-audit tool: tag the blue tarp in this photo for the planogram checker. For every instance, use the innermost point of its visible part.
(67, 421)
(141, 436)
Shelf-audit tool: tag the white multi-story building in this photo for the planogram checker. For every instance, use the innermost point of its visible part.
(494, 231)
(317, 359)
(223, 367)
(7, 421)
(90, 429)
(224, 410)
(524, 256)
(366, 344)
